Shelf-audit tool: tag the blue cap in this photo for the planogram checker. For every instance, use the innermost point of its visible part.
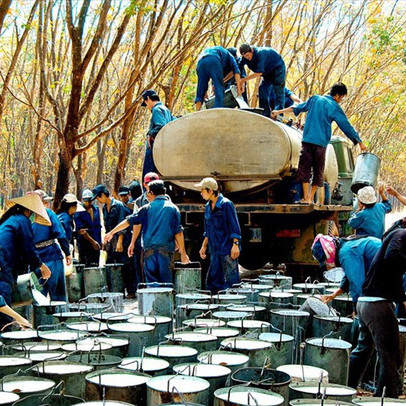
(123, 190)
(98, 190)
(146, 94)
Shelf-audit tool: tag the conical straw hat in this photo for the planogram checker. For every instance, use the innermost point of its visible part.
(32, 202)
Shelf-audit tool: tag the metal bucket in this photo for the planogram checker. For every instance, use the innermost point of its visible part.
(311, 390)
(167, 388)
(310, 288)
(304, 373)
(216, 375)
(34, 347)
(149, 365)
(229, 100)
(258, 312)
(87, 327)
(117, 384)
(162, 324)
(119, 344)
(9, 398)
(191, 298)
(18, 337)
(174, 354)
(10, 364)
(344, 305)
(257, 350)
(112, 317)
(227, 299)
(231, 360)
(90, 308)
(44, 315)
(197, 323)
(252, 295)
(282, 350)
(278, 281)
(250, 328)
(70, 317)
(49, 400)
(201, 342)
(94, 279)
(292, 322)
(339, 327)
(190, 311)
(187, 277)
(141, 335)
(40, 356)
(22, 294)
(27, 385)
(237, 395)
(97, 360)
(114, 277)
(113, 301)
(229, 316)
(155, 301)
(295, 293)
(330, 354)
(71, 373)
(75, 283)
(87, 345)
(263, 378)
(276, 299)
(366, 171)
(220, 332)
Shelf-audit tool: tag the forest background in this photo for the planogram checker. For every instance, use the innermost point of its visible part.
(72, 73)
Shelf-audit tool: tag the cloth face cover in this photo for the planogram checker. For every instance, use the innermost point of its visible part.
(324, 244)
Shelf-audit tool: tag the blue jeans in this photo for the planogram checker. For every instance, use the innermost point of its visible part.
(158, 266)
(55, 285)
(222, 273)
(277, 82)
(208, 68)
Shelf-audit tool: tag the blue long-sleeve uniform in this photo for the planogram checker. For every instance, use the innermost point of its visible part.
(288, 101)
(371, 220)
(322, 111)
(214, 63)
(67, 224)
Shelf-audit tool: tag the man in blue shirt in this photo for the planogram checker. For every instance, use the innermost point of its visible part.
(322, 111)
(160, 117)
(290, 98)
(159, 222)
(369, 218)
(265, 62)
(222, 235)
(215, 63)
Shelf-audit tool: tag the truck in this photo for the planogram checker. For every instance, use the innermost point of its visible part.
(254, 160)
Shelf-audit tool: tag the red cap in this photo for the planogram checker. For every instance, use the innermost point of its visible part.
(150, 176)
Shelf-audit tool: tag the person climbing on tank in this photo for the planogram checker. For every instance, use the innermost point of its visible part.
(229, 80)
(222, 237)
(369, 218)
(215, 63)
(354, 255)
(265, 62)
(160, 116)
(322, 111)
(290, 98)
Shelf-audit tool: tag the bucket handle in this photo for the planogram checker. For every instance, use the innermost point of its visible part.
(53, 391)
(174, 389)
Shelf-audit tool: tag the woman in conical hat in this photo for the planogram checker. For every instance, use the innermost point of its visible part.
(17, 249)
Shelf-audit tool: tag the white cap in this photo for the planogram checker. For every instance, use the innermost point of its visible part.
(70, 198)
(367, 195)
(87, 194)
(207, 183)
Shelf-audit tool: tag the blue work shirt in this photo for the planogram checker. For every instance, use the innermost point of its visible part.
(67, 224)
(2, 302)
(160, 222)
(161, 116)
(264, 60)
(227, 60)
(17, 248)
(288, 101)
(83, 221)
(355, 257)
(371, 220)
(322, 111)
(221, 226)
(45, 233)
(115, 216)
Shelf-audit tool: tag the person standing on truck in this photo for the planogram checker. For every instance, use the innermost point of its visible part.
(215, 63)
(161, 116)
(322, 111)
(222, 236)
(231, 81)
(369, 218)
(290, 98)
(265, 62)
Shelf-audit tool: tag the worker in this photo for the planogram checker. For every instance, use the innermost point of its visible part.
(378, 324)
(229, 80)
(369, 218)
(135, 193)
(159, 223)
(322, 111)
(160, 116)
(124, 196)
(8, 312)
(290, 98)
(17, 249)
(143, 199)
(50, 242)
(215, 63)
(354, 255)
(113, 214)
(265, 62)
(67, 209)
(222, 237)
(88, 228)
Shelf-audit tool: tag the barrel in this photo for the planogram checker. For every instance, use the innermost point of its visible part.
(112, 300)
(154, 301)
(232, 360)
(162, 324)
(10, 364)
(190, 311)
(311, 390)
(237, 395)
(366, 171)
(336, 325)
(114, 277)
(44, 315)
(94, 279)
(174, 354)
(304, 373)
(75, 283)
(201, 342)
(229, 100)
(187, 277)
(282, 350)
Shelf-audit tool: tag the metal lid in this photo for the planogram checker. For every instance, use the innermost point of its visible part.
(60, 335)
(10, 360)
(20, 335)
(153, 320)
(246, 308)
(131, 327)
(331, 389)
(146, 364)
(117, 378)
(114, 341)
(46, 356)
(248, 396)
(110, 316)
(191, 337)
(290, 313)
(219, 332)
(231, 315)
(304, 372)
(335, 319)
(183, 383)
(329, 343)
(275, 337)
(62, 368)
(36, 346)
(245, 343)
(8, 398)
(223, 358)
(248, 324)
(88, 326)
(27, 384)
(171, 351)
(204, 323)
(88, 345)
(202, 370)
(154, 290)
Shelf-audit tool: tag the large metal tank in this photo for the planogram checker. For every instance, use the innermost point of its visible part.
(242, 149)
